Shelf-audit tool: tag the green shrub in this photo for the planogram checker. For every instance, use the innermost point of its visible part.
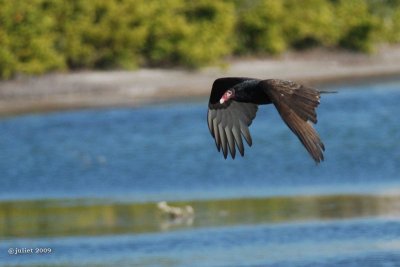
(356, 25)
(309, 23)
(8, 61)
(167, 29)
(395, 36)
(192, 33)
(392, 27)
(38, 36)
(102, 33)
(27, 39)
(260, 27)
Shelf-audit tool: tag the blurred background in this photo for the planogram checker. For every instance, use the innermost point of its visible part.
(45, 35)
(127, 84)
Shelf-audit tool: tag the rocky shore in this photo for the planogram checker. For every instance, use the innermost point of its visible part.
(88, 89)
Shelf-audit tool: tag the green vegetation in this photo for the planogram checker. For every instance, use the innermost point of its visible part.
(39, 36)
(63, 217)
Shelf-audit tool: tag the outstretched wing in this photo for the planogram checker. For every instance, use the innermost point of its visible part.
(297, 104)
(229, 122)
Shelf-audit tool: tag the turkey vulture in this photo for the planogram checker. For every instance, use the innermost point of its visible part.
(234, 102)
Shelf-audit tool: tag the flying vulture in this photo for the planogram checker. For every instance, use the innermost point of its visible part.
(234, 102)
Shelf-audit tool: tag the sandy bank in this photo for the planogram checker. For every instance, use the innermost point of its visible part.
(130, 88)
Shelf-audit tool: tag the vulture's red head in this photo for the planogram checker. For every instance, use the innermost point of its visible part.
(226, 96)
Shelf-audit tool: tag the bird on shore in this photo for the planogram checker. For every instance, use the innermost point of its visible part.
(234, 103)
(175, 212)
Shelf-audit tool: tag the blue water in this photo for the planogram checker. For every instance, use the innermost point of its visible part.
(165, 152)
(349, 243)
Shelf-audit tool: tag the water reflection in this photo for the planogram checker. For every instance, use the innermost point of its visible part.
(52, 218)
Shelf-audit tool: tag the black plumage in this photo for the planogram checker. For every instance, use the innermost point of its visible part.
(234, 103)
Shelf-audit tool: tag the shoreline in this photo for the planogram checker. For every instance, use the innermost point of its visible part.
(101, 89)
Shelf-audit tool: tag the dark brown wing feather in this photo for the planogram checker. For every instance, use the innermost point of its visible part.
(297, 104)
(228, 123)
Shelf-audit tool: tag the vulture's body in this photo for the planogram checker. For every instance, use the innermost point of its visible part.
(234, 103)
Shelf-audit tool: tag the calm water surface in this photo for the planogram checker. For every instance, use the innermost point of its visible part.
(85, 184)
